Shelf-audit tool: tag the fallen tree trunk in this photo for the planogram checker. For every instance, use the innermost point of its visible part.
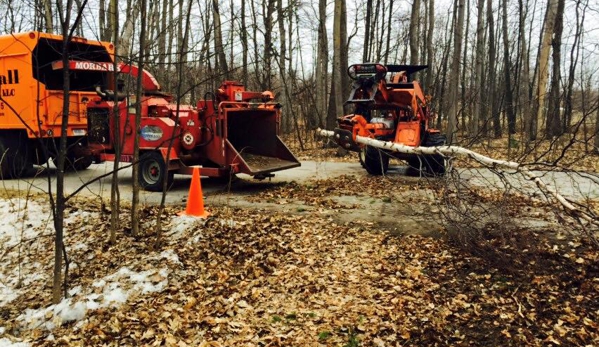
(450, 151)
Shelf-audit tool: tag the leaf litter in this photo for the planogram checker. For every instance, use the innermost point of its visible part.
(249, 278)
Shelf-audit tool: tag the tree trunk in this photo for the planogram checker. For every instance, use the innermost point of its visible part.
(388, 43)
(48, 17)
(597, 129)
(322, 63)
(268, 43)
(554, 123)
(508, 80)
(543, 66)
(367, 20)
(524, 80)
(414, 32)
(138, 97)
(492, 80)
(59, 207)
(345, 84)
(220, 58)
(115, 194)
(455, 74)
(429, 45)
(464, 78)
(338, 46)
(479, 69)
(128, 29)
(102, 20)
(162, 39)
(244, 45)
(574, 55)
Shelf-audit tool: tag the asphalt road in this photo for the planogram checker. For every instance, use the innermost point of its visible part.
(576, 186)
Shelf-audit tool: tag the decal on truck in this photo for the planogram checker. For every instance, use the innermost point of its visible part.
(8, 78)
(151, 133)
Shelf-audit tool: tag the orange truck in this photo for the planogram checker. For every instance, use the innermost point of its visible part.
(31, 98)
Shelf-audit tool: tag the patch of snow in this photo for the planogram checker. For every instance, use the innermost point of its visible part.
(183, 224)
(80, 246)
(4, 342)
(170, 255)
(116, 290)
(22, 220)
(116, 295)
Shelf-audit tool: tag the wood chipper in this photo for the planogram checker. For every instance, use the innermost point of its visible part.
(389, 108)
(31, 98)
(232, 131)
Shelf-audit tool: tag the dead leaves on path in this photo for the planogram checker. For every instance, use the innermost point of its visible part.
(255, 279)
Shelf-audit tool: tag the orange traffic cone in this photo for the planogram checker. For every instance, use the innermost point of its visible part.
(195, 201)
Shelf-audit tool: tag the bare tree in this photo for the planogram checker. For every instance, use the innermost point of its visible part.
(322, 63)
(430, 45)
(67, 29)
(48, 16)
(543, 68)
(523, 80)
(338, 45)
(220, 58)
(414, 32)
(507, 76)
(492, 78)
(479, 69)
(367, 31)
(452, 124)
(138, 100)
(554, 123)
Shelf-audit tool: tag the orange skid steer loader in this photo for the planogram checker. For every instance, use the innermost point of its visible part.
(389, 107)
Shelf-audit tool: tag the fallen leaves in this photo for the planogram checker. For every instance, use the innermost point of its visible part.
(249, 278)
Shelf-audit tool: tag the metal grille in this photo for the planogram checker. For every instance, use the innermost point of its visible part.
(98, 126)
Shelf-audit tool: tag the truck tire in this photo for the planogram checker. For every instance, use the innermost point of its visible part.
(73, 163)
(14, 156)
(79, 163)
(376, 161)
(152, 169)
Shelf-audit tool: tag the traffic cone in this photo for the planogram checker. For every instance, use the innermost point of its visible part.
(195, 200)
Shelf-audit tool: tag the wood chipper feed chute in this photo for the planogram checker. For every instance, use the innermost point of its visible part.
(253, 143)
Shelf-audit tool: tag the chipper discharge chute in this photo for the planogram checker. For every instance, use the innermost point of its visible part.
(252, 142)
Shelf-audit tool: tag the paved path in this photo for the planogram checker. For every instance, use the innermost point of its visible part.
(571, 185)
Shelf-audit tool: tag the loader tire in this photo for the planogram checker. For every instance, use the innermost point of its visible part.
(152, 171)
(376, 161)
(15, 161)
(434, 163)
(362, 156)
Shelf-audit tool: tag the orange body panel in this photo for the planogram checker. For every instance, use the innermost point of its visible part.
(31, 96)
(408, 133)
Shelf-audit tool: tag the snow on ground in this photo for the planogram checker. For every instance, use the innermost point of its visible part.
(26, 230)
(109, 291)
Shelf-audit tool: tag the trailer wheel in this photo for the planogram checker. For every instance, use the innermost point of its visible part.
(376, 161)
(15, 161)
(152, 169)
